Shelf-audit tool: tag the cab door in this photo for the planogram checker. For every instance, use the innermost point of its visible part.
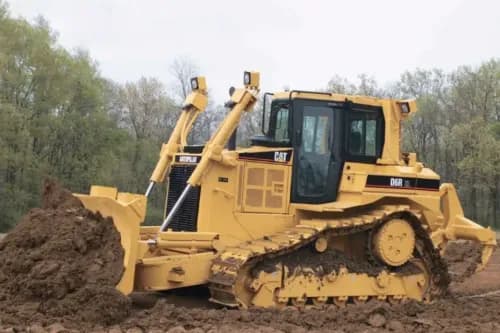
(316, 169)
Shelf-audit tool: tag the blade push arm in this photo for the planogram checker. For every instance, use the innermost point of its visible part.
(193, 105)
(242, 100)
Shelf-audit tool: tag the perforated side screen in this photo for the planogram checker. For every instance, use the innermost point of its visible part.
(187, 215)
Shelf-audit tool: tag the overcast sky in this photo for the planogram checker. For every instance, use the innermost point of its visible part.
(299, 44)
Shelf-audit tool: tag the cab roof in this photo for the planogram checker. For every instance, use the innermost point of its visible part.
(357, 99)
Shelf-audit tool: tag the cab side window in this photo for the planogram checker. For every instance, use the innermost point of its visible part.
(281, 131)
(364, 137)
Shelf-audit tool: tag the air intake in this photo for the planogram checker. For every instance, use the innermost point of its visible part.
(186, 217)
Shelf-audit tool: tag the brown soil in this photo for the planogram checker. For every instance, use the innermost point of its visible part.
(61, 261)
(462, 258)
(484, 282)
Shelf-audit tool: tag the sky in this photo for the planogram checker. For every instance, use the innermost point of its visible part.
(294, 44)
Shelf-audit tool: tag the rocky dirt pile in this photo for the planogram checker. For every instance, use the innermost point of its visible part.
(61, 262)
(462, 258)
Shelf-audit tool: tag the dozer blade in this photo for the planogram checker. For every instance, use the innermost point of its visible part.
(127, 211)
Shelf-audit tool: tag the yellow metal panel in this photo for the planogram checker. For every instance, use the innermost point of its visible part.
(187, 236)
(173, 271)
(103, 191)
(196, 99)
(266, 187)
(127, 216)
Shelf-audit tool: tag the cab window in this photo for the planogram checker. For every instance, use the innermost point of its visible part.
(281, 130)
(279, 123)
(315, 134)
(364, 135)
(314, 154)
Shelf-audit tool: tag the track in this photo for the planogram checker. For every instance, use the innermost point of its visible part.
(244, 277)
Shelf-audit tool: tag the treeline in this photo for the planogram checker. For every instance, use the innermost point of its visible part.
(60, 117)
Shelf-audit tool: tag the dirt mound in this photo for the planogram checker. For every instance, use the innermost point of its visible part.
(61, 262)
(462, 258)
(56, 197)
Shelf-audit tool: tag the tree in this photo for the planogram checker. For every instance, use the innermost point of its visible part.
(424, 131)
(149, 115)
(479, 167)
(340, 85)
(53, 121)
(182, 70)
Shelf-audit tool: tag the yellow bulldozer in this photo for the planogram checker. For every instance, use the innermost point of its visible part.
(322, 208)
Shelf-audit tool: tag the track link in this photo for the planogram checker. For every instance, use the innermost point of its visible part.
(231, 273)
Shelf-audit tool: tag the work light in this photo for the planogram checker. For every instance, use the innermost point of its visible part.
(405, 108)
(251, 79)
(247, 77)
(194, 83)
(198, 83)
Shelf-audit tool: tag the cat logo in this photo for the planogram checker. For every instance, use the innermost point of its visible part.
(280, 156)
(396, 182)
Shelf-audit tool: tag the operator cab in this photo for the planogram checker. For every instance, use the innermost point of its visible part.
(324, 134)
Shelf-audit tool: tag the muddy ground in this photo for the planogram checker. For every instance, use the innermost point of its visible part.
(66, 286)
(473, 306)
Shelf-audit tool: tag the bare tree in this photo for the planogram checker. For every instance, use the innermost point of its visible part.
(147, 108)
(182, 70)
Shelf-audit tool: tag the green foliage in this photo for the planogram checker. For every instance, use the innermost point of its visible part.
(457, 132)
(53, 120)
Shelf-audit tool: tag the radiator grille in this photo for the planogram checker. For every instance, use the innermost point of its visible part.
(187, 215)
